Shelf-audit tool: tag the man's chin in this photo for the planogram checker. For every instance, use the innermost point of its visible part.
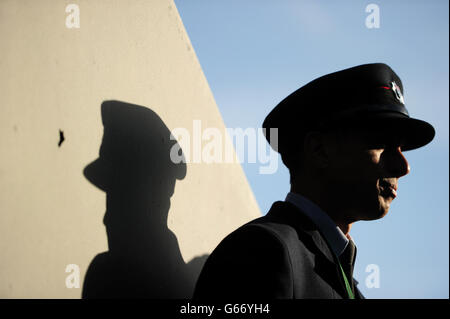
(374, 214)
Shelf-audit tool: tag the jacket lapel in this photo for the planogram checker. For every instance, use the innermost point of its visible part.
(289, 213)
(326, 265)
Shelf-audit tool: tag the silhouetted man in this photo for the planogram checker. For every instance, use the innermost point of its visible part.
(341, 137)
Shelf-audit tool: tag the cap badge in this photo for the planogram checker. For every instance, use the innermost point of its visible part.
(397, 92)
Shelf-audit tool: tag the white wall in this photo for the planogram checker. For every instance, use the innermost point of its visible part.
(53, 78)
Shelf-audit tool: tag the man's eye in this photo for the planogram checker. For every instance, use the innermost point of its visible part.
(383, 146)
(375, 144)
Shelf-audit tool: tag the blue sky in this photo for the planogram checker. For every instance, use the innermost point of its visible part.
(256, 52)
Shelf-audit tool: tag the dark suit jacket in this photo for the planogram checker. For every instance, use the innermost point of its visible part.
(278, 256)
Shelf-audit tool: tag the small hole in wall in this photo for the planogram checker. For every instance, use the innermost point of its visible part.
(61, 138)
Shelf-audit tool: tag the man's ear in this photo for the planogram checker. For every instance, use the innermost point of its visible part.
(316, 149)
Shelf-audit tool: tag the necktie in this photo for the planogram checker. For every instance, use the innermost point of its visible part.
(347, 259)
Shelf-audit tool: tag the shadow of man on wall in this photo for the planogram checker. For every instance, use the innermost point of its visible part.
(136, 172)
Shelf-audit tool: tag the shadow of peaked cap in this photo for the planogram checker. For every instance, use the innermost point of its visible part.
(369, 96)
(136, 144)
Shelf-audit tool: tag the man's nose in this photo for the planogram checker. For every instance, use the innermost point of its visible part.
(397, 164)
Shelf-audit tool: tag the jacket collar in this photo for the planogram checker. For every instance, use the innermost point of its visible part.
(327, 227)
(290, 214)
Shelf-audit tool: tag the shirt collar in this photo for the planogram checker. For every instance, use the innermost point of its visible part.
(332, 233)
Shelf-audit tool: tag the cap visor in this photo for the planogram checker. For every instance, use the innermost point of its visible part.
(413, 133)
(97, 173)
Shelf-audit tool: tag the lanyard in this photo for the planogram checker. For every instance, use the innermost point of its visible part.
(350, 293)
(349, 290)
